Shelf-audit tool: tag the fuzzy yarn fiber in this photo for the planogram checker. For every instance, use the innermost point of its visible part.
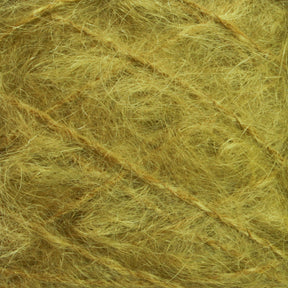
(143, 143)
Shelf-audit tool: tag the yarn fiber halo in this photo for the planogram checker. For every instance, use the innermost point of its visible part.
(143, 143)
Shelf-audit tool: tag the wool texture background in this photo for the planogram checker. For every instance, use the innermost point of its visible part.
(143, 143)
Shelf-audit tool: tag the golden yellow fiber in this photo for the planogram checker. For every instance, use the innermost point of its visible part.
(143, 143)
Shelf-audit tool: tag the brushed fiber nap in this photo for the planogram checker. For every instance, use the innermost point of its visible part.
(143, 144)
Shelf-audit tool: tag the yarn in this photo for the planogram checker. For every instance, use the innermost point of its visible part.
(143, 143)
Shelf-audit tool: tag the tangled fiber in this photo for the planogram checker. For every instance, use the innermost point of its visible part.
(143, 143)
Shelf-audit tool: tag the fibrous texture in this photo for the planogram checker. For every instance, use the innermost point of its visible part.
(143, 143)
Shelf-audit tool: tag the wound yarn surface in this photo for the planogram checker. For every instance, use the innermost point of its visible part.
(143, 144)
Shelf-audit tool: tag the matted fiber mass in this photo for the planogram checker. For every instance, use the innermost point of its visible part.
(143, 143)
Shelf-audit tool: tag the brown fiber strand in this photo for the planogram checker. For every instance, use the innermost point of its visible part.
(217, 245)
(149, 204)
(152, 67)
(144, 275)
(224, 23)
(181, 194)
(35, 15)
(236, 31)
(106, 262)
(143, 144)
(87, 197)
(257, 270)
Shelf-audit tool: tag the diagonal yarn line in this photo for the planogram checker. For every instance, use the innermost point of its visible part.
(35, 15)
(153, 68)
(234, 29)
(116, 159)
(101, 260)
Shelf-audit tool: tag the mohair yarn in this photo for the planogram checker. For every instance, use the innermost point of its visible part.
(143, 143)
